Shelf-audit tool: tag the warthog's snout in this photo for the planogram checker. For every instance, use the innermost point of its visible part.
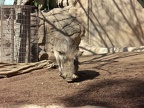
(69, 78)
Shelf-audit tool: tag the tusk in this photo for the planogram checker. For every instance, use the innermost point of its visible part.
(63, 75)
(74, 76)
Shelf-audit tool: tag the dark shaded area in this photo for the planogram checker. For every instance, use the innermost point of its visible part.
(141, 2)
(133, 95)
(86, 75)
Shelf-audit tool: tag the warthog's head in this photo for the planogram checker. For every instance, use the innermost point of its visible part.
(66, 55)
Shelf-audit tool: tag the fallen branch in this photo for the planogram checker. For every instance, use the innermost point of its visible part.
(8, 70)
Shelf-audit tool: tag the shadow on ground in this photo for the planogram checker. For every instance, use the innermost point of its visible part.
(110, 57)
(86, 75)
(109, 93)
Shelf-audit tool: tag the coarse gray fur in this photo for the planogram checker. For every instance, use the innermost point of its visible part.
(66, 54)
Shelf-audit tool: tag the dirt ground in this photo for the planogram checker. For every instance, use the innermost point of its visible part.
(110, 80)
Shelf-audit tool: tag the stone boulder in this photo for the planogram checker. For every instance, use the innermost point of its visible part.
(64, 20)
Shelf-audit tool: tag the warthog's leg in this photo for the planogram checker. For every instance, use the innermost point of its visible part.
(57, 56)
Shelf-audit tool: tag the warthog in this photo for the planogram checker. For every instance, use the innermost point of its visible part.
(66, 54)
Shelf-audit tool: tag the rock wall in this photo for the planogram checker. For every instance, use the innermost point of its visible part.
(64, 20)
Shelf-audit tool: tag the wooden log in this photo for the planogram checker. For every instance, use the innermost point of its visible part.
(11, 70)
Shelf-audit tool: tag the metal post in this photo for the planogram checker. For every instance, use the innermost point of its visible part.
(28, 33)
(1, 44)
(12, 32)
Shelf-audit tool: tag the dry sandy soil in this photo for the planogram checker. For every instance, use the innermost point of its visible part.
(111, 81)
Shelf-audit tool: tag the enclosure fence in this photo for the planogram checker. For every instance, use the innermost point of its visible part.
(18, 39)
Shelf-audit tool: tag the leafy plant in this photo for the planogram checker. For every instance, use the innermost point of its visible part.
(39, 3)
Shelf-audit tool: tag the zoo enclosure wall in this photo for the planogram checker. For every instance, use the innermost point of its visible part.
(18, 38)
(115, 23)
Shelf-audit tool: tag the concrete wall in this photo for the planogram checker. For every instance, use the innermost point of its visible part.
(114, 24)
